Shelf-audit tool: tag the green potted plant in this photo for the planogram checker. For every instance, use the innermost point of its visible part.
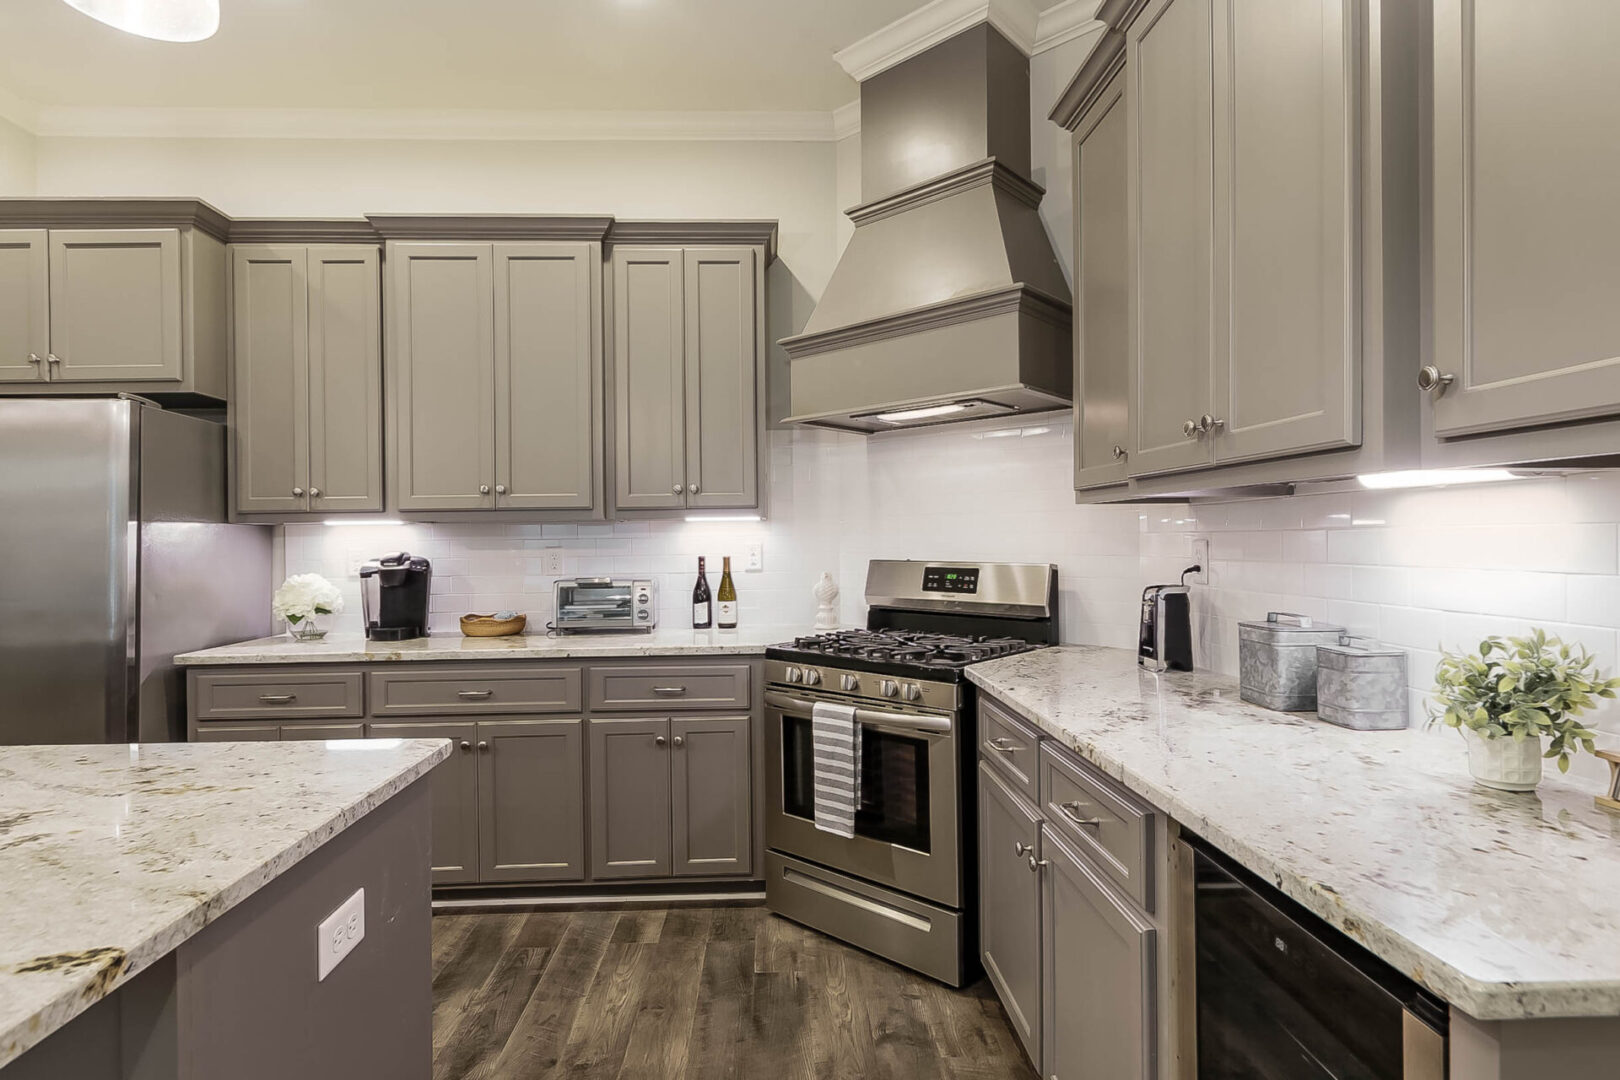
(1512, 694)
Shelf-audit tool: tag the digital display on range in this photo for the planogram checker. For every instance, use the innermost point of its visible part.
(951, 579)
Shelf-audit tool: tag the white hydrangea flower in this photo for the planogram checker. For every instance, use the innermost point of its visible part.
(303, 596)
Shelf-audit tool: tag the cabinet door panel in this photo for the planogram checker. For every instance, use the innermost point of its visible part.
(443, 372)
(25, 331)
(115, 305)
(531, 801)
(630, 805)
(454, 796)
(712, 797)
(270, 372)
(1100, 1000)
(1010, 905)
(1102, 406)
(1170, 134)
(722, 443)
(548, 375)
(1525, 238)
(345, 378)
(649, 379)
(1284, 182)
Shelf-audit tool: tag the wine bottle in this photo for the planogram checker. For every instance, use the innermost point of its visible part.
(701, 617)
(728, 598)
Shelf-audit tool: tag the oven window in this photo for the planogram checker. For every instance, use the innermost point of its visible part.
(894, 784)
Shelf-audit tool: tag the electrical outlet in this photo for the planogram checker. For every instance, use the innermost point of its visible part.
(1200, 556)
(756, 557)
(339, 933)
(554, 562)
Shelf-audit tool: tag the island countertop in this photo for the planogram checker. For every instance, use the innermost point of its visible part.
(353, 648)
(113, 856)
(1507, 906)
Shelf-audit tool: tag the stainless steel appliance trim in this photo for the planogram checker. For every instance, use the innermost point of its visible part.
(937, 725)
(1013, 589)
(844, 896)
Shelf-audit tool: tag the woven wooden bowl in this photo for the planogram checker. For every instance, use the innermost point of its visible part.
(490, 626)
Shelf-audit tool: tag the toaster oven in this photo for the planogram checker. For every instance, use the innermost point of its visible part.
(606, 604)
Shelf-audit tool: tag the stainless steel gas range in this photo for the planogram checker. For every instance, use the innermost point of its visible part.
(904, 885)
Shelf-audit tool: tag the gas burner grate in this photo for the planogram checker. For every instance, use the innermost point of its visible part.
(914, 647)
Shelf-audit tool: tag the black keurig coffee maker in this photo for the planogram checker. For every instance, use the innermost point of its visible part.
(394, 596)
(1164, 642)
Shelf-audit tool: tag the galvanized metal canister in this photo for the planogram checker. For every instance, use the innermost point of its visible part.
(1277, 660)
(1361, 684)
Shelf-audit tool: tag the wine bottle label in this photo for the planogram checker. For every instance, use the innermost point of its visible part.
(728, 613)
(700, 614)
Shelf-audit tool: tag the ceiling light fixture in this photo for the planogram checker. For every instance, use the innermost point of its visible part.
(1412, 478)
(161, 20)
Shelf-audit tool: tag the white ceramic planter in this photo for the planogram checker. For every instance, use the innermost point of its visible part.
(1504, 764)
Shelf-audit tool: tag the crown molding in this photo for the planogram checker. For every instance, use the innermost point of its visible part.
(847, 120)
(756, 233)
(73, 212)
(1024, 299)
(1019, 21)
(303, 231)
(429, 124)
(978, 174)
(468, 227)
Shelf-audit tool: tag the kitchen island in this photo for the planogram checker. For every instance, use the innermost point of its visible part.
(159, 906)
(1505, 906)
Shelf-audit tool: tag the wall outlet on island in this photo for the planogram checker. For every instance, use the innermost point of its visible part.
(754, 558)
(339, 933)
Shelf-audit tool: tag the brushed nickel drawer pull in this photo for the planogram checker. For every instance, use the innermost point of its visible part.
(1003, 746)
(475, 694)
(278, 699)
(669, 689)
(1021, 849)
(1036, 864)
(1071, 810)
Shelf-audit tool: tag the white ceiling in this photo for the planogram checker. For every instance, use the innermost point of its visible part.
(528, 55)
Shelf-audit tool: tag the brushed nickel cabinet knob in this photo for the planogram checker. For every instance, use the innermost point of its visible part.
(659, 740)
(33, 358)
(1119, 452)
(1208, 423)
(500, 489)
(314, 493)
(1431, 378)
(1190, 428)
(483, 489)
(677, 489)
(298, 492)
(694, 489)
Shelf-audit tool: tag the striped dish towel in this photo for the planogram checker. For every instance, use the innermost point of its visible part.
(836, 739)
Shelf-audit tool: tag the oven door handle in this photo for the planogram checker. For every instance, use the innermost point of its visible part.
(801, 707)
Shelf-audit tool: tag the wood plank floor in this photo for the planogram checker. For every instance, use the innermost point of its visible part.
(696, 993)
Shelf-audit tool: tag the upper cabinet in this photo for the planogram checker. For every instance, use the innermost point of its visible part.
(306, 401)
(688, 374)
(98, 296)
(495, 372)
(1525, 237)
(1258, 284)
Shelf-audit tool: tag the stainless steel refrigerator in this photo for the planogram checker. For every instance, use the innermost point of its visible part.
(115, 555)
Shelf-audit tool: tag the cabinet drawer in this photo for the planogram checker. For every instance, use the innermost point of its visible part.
(290, 696)
(1109, 826)
(461, 692)
(719, 686)
(1012, 748)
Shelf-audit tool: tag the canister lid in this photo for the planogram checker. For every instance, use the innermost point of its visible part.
(1288, 626)
(1356, 645)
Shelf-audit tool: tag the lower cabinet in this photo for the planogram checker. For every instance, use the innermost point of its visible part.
(455, 798)
(1098, 991)
(670, 797)
(278, 732)
(1010, 904)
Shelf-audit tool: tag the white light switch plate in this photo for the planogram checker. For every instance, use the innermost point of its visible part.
(756, 557)
(340, 932)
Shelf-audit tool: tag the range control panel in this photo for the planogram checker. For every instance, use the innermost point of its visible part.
(951, 579)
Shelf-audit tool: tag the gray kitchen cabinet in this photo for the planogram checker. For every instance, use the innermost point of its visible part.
(442, 366)
(630, 798)
(239, 733)
(1102, 409)
(454, 794)
(688, 388)
(722, 441)
(548, 376)
(711, 795)
(25, 310)
(1099, 983)
(649, 379)
(321, 732)
(1287, 372)
(115, 305)
(306, 409)
(1169, 105)
(1525, 240)
(496, 353)
(1010, 904)
(530, 800)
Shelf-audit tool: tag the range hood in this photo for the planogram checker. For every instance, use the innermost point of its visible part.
(949, 303)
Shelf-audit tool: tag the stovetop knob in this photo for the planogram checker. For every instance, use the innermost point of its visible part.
(911, 692)
(812, 677)
(889, 688)
(849, 682)
(795, 675)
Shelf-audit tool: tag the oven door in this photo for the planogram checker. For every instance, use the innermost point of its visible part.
(908, 826)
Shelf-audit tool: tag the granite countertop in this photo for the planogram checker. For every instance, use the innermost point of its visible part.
(113, 856)
(1507, 906)
(353, 648)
